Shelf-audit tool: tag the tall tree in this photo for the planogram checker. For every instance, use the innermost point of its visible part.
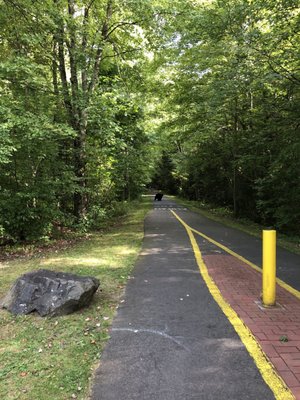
(230, 106)
(66, 68)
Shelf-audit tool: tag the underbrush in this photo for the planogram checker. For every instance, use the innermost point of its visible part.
(39, 227)
(63, 236)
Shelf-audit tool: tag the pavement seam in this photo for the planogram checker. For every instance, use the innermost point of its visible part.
(272, 379)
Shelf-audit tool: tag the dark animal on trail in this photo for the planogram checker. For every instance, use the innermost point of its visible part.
(158, 196)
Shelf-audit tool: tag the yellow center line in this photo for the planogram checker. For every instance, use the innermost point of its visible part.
(276, 384)
(280, 282)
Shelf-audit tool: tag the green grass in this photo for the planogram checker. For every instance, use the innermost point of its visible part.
(291, 243)
(54, 358)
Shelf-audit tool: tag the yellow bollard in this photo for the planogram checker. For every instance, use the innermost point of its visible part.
(269, 268)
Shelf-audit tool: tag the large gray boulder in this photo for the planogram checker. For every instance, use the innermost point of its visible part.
(50, 293)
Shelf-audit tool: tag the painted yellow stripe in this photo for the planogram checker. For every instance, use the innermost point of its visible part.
(280, 282)
(276, 384)
(227, 250)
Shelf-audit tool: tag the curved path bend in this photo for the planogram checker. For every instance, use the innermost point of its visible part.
(190, 326)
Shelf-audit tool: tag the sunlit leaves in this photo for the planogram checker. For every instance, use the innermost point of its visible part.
(230, 116)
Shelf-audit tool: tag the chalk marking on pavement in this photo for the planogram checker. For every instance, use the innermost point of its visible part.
(153, 331)
(276, 384)
(280, 282)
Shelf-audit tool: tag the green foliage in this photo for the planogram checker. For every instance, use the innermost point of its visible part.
(164, 178)
(99, 98)
(26, 215)
(73, 147)
(230, 114)
(99, 217)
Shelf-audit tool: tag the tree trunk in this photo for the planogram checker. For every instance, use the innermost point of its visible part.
(77, 92)
(79, 170)
(235, 138)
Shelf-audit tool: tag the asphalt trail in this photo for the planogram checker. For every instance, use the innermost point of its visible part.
(170, 340)
(249, 247)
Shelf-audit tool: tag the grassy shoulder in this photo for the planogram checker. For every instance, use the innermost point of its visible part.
(54, 358)
(223, 216)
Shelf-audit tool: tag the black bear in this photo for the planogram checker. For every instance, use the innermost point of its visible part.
(158, 196)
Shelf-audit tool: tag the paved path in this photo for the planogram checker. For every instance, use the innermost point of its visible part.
(171, 340)
(288, 264)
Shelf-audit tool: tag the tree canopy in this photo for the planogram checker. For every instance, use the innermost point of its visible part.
(99, 98)
(230, 80)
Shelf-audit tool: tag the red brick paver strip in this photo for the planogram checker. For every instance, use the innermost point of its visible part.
(277, 330)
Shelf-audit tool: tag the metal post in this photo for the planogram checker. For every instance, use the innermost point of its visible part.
(269, 268)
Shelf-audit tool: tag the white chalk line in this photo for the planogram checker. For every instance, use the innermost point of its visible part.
(154, 332)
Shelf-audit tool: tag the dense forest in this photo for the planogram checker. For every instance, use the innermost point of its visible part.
(100, 99)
